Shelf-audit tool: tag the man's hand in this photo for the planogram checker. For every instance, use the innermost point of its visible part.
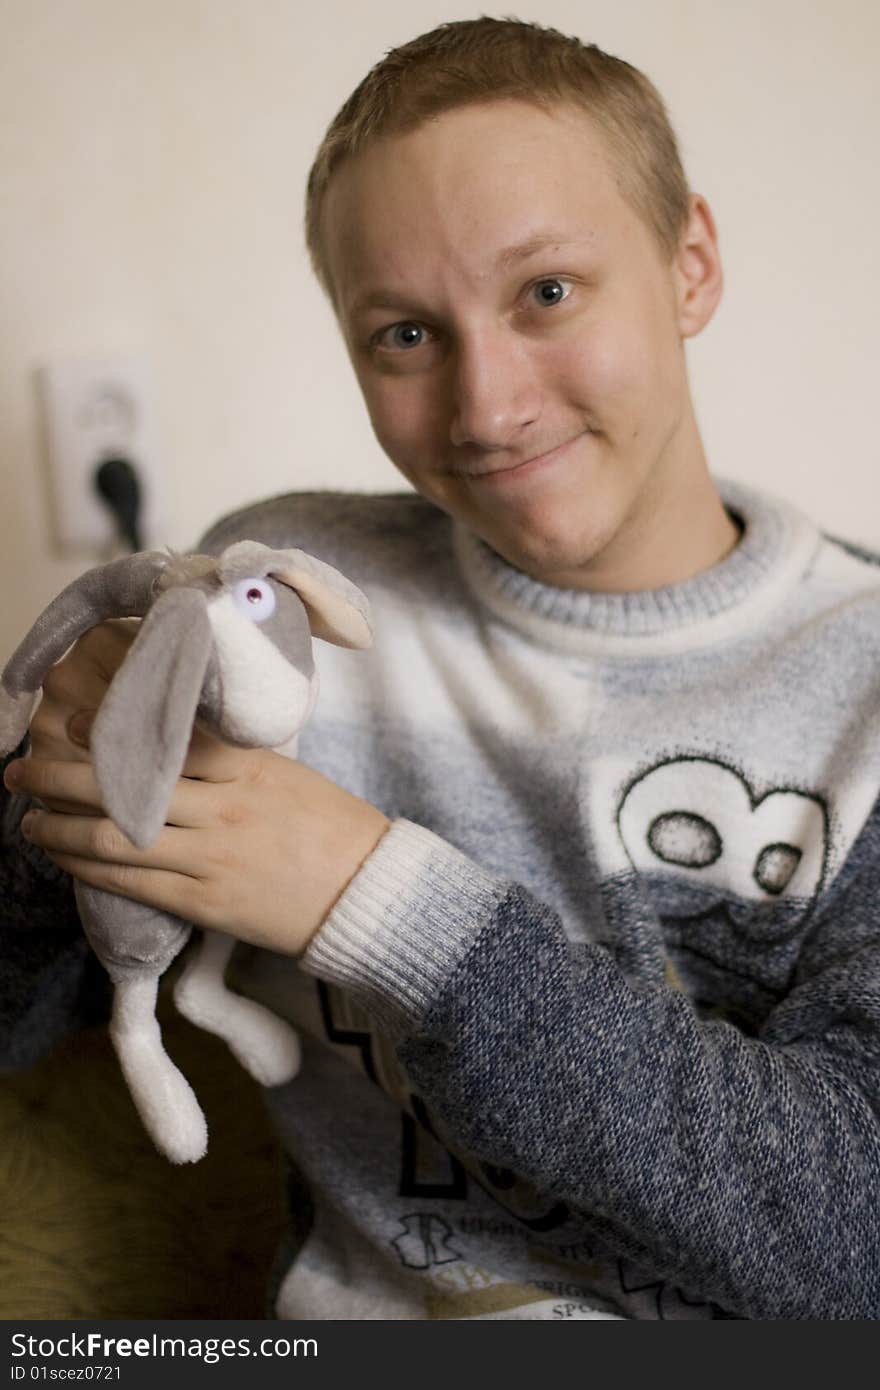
(75, 688)
(255, 844)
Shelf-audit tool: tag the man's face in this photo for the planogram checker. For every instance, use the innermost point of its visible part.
(516, 333)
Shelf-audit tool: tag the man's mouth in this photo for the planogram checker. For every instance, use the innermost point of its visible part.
(486, 473)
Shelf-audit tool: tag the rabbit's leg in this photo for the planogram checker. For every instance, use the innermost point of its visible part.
(266, 1046)
(164, 1098)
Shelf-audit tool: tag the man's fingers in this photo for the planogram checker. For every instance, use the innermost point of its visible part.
(97, 838)
(57, 727)
(75, 682)
(105, 646)
(79, 727)
(78, 682)
(64, 785)
(82, 675)
(72, 783)
(50, 734)
(96, 853)
(211, 760)
(176, 893)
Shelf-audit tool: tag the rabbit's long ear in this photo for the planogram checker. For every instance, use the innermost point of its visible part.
(123, 588)
(338, 610)
(141, 732)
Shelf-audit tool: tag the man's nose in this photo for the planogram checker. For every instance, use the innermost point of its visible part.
(495, 390)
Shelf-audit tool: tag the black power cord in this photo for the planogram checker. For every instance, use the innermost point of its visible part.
(117, 483)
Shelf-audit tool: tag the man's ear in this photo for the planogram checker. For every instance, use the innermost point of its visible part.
(697, 270)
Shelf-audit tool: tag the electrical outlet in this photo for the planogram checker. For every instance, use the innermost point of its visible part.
(95, 411)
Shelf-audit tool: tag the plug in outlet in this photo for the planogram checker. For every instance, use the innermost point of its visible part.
(95, 411)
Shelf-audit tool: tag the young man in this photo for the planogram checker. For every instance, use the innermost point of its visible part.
(573, 894)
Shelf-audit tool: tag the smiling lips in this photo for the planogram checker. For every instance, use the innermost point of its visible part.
(515, 471)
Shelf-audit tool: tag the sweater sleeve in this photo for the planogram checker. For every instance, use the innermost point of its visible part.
(744, 1169)
(50, 982)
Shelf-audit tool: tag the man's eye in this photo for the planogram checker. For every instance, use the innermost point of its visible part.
(549, 292)
(402, 336)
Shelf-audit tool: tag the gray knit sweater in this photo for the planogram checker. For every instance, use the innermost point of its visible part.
(596, 1029)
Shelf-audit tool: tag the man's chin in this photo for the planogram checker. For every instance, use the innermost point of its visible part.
(546, 526)
(548, 531)
(557, 558)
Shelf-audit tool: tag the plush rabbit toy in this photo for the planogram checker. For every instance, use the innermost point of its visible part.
(227, 639)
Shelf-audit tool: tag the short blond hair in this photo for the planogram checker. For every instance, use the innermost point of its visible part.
(479, 60)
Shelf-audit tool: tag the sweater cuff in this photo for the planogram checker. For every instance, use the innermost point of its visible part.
(403, 923)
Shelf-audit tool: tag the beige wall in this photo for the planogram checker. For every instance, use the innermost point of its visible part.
(152, 160)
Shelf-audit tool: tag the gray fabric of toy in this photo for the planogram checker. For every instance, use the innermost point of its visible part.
(228, 640)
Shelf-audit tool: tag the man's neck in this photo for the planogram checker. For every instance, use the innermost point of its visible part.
(678, 528)
(681, 535)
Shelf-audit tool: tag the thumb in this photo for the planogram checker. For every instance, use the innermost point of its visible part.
(79, 727)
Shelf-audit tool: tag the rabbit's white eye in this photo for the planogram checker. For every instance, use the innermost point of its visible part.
(254, 598)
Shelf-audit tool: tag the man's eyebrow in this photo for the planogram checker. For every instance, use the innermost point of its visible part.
(506, 258)
(541, 241)
(379, 299)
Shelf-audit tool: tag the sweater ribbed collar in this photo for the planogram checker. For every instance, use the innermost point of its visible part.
(775, 549)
